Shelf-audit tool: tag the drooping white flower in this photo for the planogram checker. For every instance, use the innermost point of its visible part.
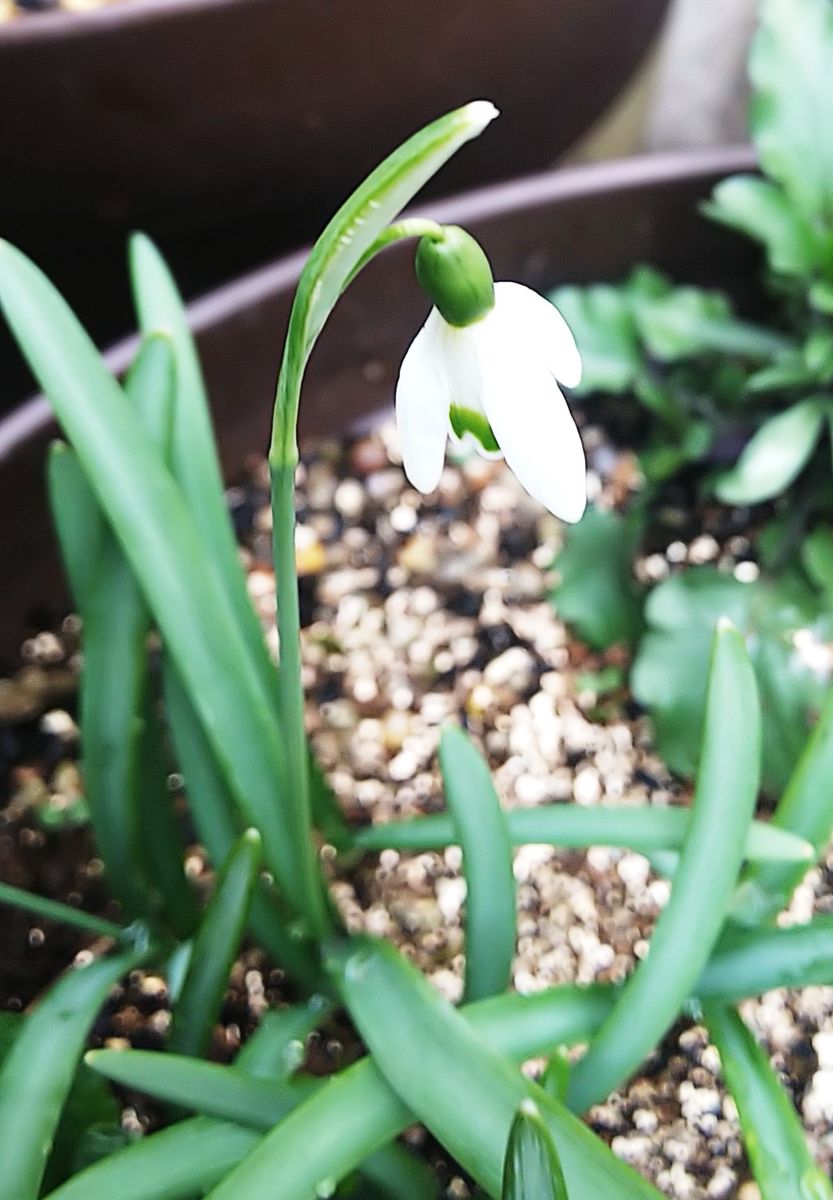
(495, 381)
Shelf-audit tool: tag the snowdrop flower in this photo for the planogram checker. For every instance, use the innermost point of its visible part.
(484, 369)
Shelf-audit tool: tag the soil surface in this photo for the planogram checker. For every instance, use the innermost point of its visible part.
(417, 610)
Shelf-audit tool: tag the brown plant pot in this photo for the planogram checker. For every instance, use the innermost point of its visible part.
(231, 129)
(583, 224)
(195, 110)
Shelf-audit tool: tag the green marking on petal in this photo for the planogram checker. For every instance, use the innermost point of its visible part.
(467, 420)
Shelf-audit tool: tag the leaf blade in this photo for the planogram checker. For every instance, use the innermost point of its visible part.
(481, 827)
(689, 925)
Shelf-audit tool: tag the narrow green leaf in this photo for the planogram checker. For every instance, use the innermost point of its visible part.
(750, 962)
(646, 830)
(176, 573)
(556, 1077)
(218, 826)
(226, 1093)
(774, 456)
(276, 1049)
(150, 387)
(466, 1093)
(177, 1163)
(37, 1073)
(194, 461)
(215, 948)
(124, 771)
(160, 833)
(687, 928)
(78, 520)
(519, 1026)
(805, 809)
(399, 1174)
(531, 1170)
(480, 827)
(781, 1161)
(115, 628)
(54, 910)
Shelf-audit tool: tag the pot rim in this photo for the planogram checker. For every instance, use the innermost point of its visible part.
(33, 416)
(45, 27)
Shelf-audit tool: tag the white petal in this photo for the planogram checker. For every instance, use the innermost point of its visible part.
(460, 356)
(422, 402)
(537, 327)
(536, 433)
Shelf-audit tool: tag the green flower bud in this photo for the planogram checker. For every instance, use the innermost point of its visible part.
(456, 275)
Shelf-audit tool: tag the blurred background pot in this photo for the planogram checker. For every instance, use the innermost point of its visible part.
(231, 129)
(577, 225)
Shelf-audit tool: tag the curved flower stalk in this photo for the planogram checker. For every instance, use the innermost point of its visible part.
(485, 368)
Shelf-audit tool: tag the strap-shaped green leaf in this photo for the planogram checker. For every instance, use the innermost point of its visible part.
(54, 910)
(781, 1161)
(218, 827)
(646, 830)
(124, 770)
(193, 452)
(466, 1093)
(519, 1026)
(687, 928)
(177, 574)
(750, 962)
(532, 1169)
(806, 809)
(227, 1093)
(215, 947)
(481, 829)
(38, 1072)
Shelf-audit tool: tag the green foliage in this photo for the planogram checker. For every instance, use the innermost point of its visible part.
(38, 1071)
(742, 409)
(690, 923)
(481, 829)
(670, 668)
(215, 947)
(596, 592)
(464, 1091)
(138, 502)
(774, 457)
(792, 105)
(781, 1162)
(531, 1170)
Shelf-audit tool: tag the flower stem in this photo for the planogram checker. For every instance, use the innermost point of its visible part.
(291, 692)
(283, 460)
